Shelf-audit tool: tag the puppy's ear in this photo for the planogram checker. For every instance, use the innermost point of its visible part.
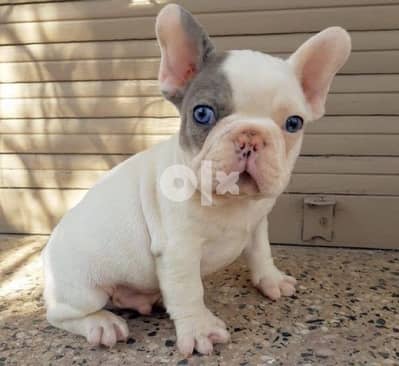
(185, 47)
(317, 61)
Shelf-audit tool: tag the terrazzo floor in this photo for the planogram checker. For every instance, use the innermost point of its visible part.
(345, 312)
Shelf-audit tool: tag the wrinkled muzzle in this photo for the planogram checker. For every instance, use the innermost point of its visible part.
(243, 157)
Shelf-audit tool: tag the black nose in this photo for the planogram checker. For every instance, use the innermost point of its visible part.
(246, 151)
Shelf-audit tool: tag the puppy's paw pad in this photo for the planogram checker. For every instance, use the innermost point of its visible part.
(289, 279)
(200, 333)
(271, 291)
(287, 286)
(276, 285)
(106, 328)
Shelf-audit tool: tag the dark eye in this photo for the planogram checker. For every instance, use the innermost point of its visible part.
(204, 115)
(293, 124)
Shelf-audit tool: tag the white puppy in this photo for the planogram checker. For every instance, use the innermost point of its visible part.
(140, 234)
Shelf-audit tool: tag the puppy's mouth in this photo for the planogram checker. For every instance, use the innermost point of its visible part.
(247, 184)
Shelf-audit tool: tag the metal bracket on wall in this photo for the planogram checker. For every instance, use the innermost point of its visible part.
(318, 218)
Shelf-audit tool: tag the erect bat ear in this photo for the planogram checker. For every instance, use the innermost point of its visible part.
(317, 61)
(185, 47)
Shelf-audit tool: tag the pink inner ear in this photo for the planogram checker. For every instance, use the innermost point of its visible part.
(191, 70)
(317, 61)
(179, 56)
(316, 78)
(177, 64)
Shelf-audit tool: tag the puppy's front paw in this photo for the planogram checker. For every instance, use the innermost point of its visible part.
(276, 284)
(105, 328)
(200, 332)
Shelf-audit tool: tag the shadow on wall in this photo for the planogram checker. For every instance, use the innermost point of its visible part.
(67, 118)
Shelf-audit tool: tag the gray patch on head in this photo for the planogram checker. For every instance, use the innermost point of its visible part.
(210, 87)
(195, 32)
(201, 42)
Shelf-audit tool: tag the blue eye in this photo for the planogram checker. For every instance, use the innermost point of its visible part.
(204, 115)
(293, 124)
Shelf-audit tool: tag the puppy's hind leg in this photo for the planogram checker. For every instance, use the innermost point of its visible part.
(84, 315)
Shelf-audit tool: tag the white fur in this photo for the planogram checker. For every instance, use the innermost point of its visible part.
(126, 242)
(125, 232)
(261, 83)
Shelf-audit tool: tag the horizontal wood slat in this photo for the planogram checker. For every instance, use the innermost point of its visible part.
(365, 40)
(134, 88)
(37, 211)
(363, 104)
(361, 62)
(369, 145)
(347, 165)
(80, 70)
(351, 145)
(23, 2)
(20, 178)
(90, 126)
(337, 104)
(271, 43)
(51, 10)
(344, 184)
(81, 51)
(132, 125)
(305, 164)
(300, 183)
(87, 107)
(231, 23)
(84, 144)
(365, 83)
(355, 125)
(60, 161)
(117, 88)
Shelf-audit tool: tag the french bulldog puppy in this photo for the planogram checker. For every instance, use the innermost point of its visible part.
(134, 238)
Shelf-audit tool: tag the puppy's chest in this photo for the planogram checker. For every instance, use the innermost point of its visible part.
(224, 240)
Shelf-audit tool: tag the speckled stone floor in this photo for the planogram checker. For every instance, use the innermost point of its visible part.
(346, 312)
